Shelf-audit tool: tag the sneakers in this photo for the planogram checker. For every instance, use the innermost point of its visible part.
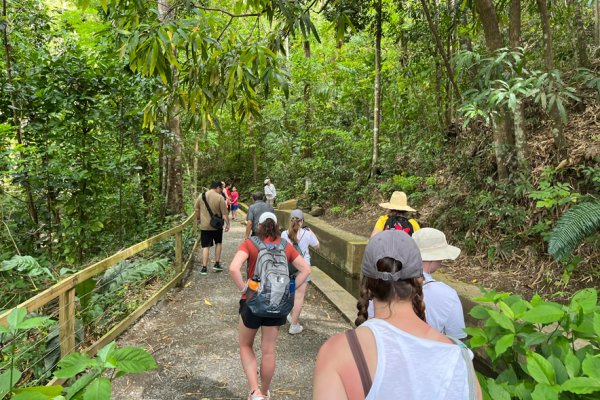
(217, 267)
(295, 329)
(204, 271)
(253, 396)
(289, 318)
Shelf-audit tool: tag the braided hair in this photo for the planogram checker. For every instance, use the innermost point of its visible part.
(385, 291)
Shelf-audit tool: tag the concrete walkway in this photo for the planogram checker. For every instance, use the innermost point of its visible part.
(193, 337)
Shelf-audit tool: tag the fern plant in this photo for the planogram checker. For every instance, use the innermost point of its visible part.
(570, 230)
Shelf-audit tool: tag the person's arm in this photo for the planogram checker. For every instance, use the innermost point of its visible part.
(235, 269)
(455, 323)
(314, 241)
(248, 228)
(302, 267)
(379, 225)
(327, 383)
(274, 191)
(225, 215)
(197, 209)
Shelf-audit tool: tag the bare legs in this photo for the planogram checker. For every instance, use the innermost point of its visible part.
(298, 302)
(249, 363)
(206, 251)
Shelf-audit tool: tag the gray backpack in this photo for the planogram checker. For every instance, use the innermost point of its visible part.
(272, 299)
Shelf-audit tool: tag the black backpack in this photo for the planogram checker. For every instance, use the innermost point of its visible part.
(399, 223)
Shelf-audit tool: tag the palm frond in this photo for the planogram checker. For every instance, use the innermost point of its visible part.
(573, 227)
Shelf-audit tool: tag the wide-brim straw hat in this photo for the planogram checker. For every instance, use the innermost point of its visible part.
(398, 201)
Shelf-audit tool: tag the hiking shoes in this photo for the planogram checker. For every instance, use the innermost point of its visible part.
(295, 329)
(217, 267)
(253, 396)
(204, 271)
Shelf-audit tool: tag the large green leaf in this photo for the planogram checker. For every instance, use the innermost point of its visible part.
(134, 359)
(545, 392)
(581, 385)
(574, 226)
(504, 343)
(540, 369)
(591, 366)
(73, 364)
(544, 314)
(585, 299)
(99, 389)
(5, 382)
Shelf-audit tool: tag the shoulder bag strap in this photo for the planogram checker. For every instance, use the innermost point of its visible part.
(359, 359)
(206, 203)
(470, 373)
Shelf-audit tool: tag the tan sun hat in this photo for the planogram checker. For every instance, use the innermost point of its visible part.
(433, 245)
(398, 201)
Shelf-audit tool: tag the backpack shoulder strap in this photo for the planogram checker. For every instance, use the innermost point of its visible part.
(258, 243)
(470, 373)
(359, 359)
(282, 243)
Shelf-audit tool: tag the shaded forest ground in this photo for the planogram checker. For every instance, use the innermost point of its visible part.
(526, 269)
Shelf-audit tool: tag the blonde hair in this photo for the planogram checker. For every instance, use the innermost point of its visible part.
(293, 229)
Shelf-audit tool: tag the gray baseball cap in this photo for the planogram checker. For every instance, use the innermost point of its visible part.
(397, 245)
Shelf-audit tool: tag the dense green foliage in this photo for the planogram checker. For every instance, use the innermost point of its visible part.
(545, 350)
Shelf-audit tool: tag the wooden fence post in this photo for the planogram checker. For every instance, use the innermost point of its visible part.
(66, 320)
(178, 251)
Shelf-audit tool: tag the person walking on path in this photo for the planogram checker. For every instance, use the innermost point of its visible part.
(210, 235)
(302, 237)
(254, 213)
(395, 355)
(270, 192)
(248, 326)
(235, 196)
(443, 307)
(397, 216)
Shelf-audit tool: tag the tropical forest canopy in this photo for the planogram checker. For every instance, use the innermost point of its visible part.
(115, 113)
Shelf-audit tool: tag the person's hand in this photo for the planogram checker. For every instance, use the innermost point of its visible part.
(227, 228)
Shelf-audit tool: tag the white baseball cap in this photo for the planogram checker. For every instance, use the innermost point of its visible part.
(265, 216)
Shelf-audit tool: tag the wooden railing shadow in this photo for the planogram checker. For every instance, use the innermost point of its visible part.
(64, 290)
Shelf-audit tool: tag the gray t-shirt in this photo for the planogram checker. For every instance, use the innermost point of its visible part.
(255, 211)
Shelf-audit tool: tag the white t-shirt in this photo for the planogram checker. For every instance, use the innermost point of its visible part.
(306, 238)
(413, 368)
(270, 191)
(443, 308)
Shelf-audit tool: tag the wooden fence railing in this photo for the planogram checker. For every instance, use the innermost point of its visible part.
(65, 291)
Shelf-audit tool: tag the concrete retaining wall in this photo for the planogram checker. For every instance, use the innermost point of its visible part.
(340, 247)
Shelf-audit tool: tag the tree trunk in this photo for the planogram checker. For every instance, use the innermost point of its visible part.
(175, 204)
(175, 188)
(195, 172)
(581, 46)
(560, 143)
(377, 91)
(440, 49)
(518, 118)
(31, 208)
(493, 41)
(597, 22)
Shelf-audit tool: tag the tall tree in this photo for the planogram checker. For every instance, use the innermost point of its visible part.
(514, 36)
(493, 40)
(377, 87)
(557, 123)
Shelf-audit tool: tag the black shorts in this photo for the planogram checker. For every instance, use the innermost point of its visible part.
(207, 238)
(253, 322)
